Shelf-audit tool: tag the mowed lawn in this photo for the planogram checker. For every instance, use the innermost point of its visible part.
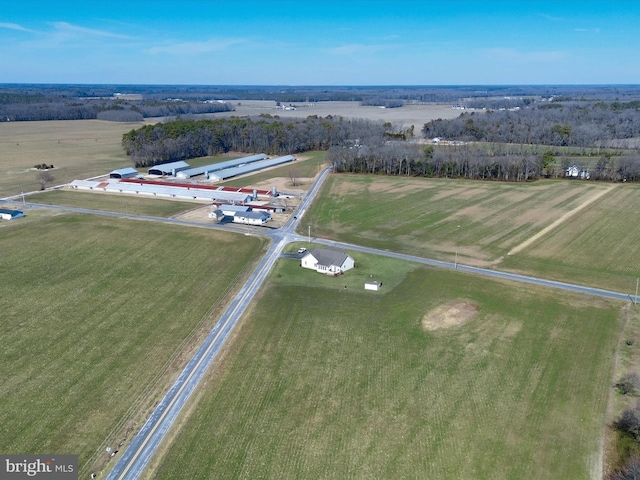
(78, 149)
(333, 383)
(481, 223)
(98, 315)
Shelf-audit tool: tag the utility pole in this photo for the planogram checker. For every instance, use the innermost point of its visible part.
(23, 201)
(309, 236)
(636, 299)
(456, 261)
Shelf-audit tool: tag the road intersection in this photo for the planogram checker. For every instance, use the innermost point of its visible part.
(136, 456)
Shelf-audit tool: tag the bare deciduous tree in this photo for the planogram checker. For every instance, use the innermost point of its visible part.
(629, 384)
(294, 177)
(44, 178)
(631, 471)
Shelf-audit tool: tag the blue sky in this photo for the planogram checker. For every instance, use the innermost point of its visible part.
(348, 42)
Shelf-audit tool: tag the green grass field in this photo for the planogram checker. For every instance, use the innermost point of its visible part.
(480, 223)
(112, 202)
(324, 382)
(78, 149)
(99, 314)
(599, 246)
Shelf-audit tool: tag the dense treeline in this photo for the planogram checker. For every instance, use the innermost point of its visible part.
(501, 162)
(26, 108)
(569, 123)
(412, 160)
(183, 139)
(382, 102)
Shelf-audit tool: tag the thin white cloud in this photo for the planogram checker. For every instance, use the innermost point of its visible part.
(514, 55)
(15, 26)
(68, 28)
(552, 18)
(354, 49)
(587, 30)
(197, 48)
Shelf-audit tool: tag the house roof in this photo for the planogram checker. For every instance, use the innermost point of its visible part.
(328, 257)
(256, 215)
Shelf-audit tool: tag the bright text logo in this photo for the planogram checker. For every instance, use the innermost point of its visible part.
(45, 467)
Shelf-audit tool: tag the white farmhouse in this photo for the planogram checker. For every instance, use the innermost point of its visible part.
(252, 218)
(572, 171)
(327, 261)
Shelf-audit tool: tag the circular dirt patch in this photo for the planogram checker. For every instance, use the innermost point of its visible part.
(449, 315)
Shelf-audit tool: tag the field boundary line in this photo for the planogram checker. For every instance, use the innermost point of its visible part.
(560, 220)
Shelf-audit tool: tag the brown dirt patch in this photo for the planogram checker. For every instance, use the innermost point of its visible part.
(449, 315)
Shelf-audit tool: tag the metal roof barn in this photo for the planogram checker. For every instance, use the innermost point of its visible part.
(8, 214)
(128, 172)
(169, 168)
(155, 190)
(192, 172)
(253, 167)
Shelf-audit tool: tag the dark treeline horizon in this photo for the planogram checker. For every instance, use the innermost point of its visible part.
(26, 102)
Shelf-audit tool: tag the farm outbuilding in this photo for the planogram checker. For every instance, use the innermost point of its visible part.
(216, 215)
(169, 168)
(231, 210)
(164, 191)
(375, 286)
(327, 261)
(128, 172)
(220, 175)
(8, 214)
(192, 172)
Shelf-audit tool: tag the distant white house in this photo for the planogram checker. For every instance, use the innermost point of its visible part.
(576, 172)
(327, 261)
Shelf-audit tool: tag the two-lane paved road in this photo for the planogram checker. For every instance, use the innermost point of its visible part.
(138, 453)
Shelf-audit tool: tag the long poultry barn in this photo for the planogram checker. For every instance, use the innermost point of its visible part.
(220, 175)
(192, 172)
(164, 191)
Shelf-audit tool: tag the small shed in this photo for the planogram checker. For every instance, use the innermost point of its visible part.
(128, 172)
(216, 215)
(372, 286)
(7, 214)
